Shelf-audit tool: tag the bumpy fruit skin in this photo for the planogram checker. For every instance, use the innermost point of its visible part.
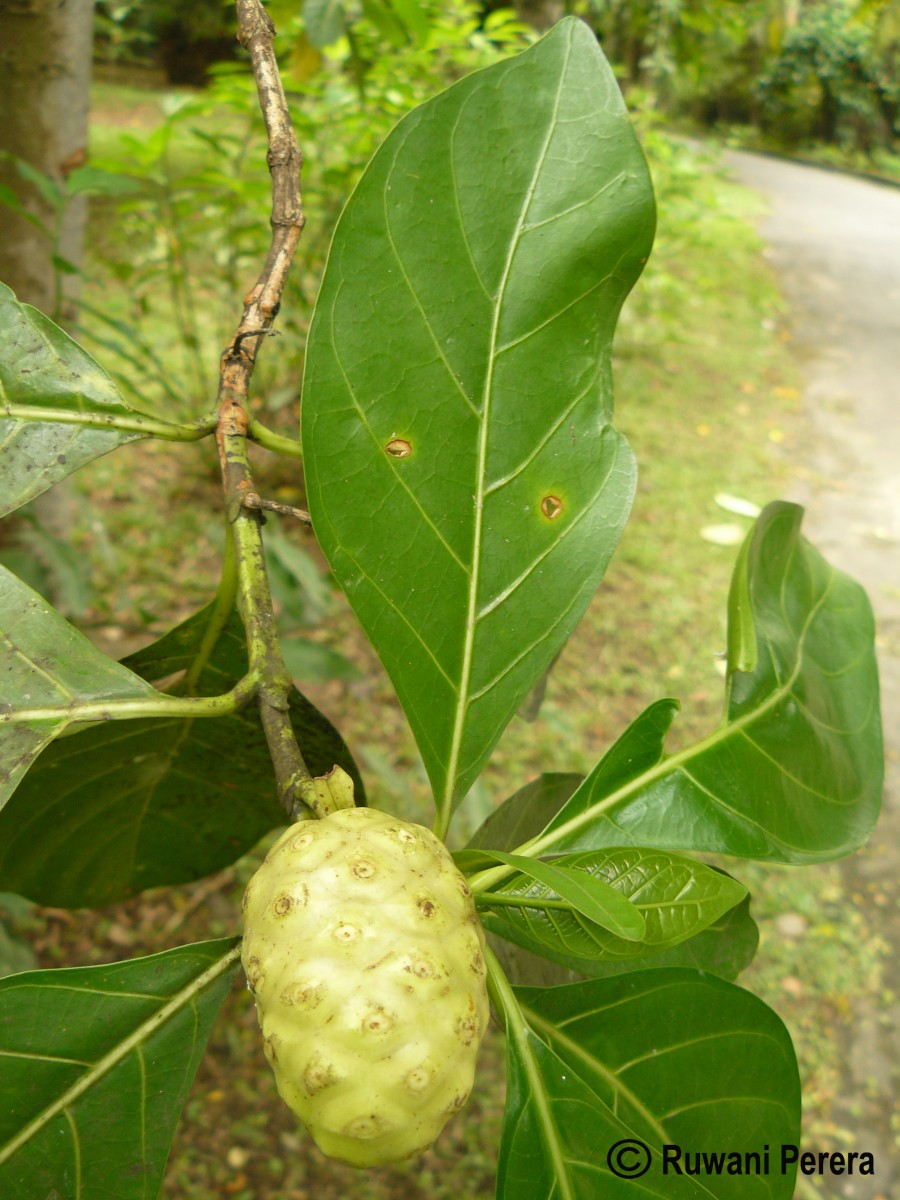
(365, 953)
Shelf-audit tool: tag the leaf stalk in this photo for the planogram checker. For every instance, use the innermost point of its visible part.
(276, 442)
(159, 705)
(135, 423)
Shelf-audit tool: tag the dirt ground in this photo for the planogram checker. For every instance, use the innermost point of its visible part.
(835, 244)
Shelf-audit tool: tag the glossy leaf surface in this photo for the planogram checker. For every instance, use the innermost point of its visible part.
(725, 948)
(794, 773)
(666, 1057)
(46, 668)
(128, 805)
(676, 898)
(44, 372)
(464, 479)
(585, 893)
(95, 1066)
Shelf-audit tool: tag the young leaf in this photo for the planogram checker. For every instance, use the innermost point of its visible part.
(128, 805)
(725, 948)
(95, 1066)
(676, 897)
(46, 383)
(459, 363)
(585, 892)
(794, 772)
(670, 1057)
(47, 668)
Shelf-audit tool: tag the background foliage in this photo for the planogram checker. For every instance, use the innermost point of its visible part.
(199, 224)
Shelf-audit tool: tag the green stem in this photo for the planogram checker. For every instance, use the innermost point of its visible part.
(136, 423)
(158, 705)
(495, 899)
(274, 688)
(270, 440)
(518, 1032)
(504, 999)
(296, 787)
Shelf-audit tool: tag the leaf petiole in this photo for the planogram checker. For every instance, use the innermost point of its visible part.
(125, 423)
(270, 440)
(159, 705)
(495, 899)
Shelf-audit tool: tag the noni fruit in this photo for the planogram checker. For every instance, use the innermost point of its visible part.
(364, 951)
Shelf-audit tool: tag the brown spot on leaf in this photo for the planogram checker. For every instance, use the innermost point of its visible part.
(398, 448)
(551, 507)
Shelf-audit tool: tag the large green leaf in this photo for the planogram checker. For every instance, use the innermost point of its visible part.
(128, 805)
(464, 479)
(95, 1066)
(794, 772)
(46, 382)
(667, 1057)
(46, 666)
(677, 898)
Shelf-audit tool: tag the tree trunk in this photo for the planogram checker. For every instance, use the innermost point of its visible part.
(45, 68)
(45, 65)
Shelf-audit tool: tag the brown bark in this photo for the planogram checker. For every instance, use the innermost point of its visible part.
(45, 61)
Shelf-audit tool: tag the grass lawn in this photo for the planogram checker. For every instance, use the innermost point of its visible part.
(707, 394)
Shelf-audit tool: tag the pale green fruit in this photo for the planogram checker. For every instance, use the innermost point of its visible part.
(365, 953)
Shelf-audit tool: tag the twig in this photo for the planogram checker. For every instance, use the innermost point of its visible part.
(252, 500)
(296, 788)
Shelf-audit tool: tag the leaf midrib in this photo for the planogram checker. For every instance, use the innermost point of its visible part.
(113, 1057)
(444, 803)
(675, 761)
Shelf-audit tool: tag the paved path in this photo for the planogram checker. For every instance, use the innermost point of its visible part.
(835, 244)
